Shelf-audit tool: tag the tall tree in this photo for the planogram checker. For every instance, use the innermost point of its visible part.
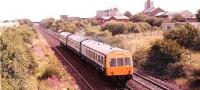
(198, 15)
(139, 17)
(178, 18)
(128, 14)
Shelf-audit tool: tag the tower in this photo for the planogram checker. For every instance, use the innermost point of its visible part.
(148, 4)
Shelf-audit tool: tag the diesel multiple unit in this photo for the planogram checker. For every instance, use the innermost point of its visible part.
(112, 61)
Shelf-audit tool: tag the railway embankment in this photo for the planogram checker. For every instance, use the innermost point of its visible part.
(27, 62)
(49, 66)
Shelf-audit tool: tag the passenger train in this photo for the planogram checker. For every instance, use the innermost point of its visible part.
(113, 62)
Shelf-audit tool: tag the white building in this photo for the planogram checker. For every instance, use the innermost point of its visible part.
(108, 12)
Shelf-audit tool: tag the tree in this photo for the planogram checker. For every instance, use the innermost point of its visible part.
(25, 21)
(154, 21)
(94, 22)
(186, 35)
(165, 57)
(115, 27)
(138, 27)
(128, 14)
(198, 15)
(178, 18)
(139, 18)
(47, 23)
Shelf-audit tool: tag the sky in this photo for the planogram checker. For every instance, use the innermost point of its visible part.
(40, 9)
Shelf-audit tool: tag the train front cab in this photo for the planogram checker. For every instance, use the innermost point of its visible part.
(119, 64)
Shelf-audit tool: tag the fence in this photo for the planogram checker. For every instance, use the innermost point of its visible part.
(142, 34)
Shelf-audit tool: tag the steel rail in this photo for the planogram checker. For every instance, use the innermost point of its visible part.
(91, 88)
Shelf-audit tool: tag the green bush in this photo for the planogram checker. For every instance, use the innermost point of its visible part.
(17, 62)
(115, 27)
(186, 35)
(47, 23)
(140, 57)
(49, 72)
(25, 22)
(178, 18)
(56, 25)
(138, 27)
(106, 33)
(139, 17)
(91, 31)
(165, 58)
(154, 21)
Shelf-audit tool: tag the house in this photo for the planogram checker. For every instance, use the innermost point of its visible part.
(108, 12)
(189, 16)
(150, 10)
(66, 17)
(153, 11)
(103, 16)
(63, 17)
(104, 19)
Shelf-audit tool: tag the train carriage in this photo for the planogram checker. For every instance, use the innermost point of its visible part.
(63, 38)
(74, 41)
(112, 60)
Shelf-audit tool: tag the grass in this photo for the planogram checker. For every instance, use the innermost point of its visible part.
(46, 58)
(135, 41)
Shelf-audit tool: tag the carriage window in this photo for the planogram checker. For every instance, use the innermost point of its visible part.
(113, 62)
(127, 61)
(92, 54)
(120, 61)
(89, 53)
(95, 56)
(99, 58)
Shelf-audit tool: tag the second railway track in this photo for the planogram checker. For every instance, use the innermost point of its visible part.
(88, 78)
(146, 83)
(87, 86)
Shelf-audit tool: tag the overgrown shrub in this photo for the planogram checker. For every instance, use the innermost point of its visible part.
(91, 31)
(154, 21)
(165, 58)
(178, 18)
(139, 17)
(114, 27)
(17, 62)
(140, 57)
(138, 27)
(104, 34)
(49, 72)
(186, 35)
(25, 22)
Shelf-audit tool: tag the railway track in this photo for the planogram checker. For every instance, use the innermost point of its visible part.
(82, 80)
(145, 83)
(95, 81)
(141, 80)
(88, 86)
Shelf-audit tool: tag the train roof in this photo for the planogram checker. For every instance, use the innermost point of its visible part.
(65, 34)
(76, 38)
(101, 47)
